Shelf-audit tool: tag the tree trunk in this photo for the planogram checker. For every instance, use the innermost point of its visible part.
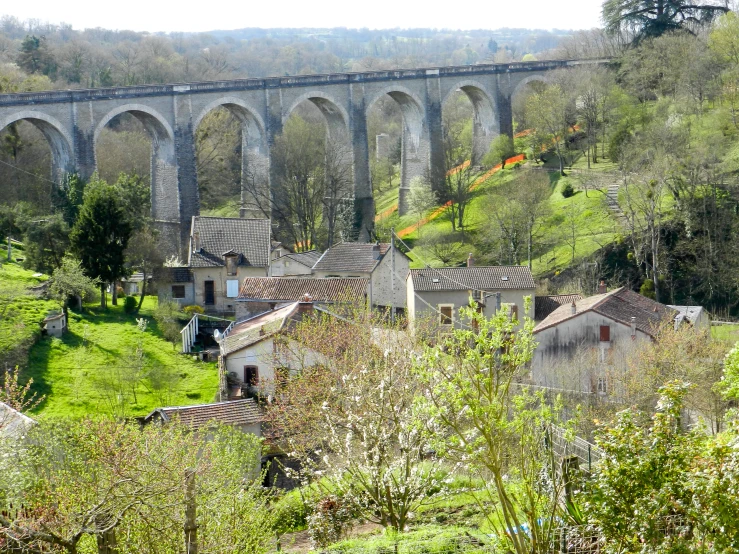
(115, 293)
(143, 292)
(103, 296)
(191, 527)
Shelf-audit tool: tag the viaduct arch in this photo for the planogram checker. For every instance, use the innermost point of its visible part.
(72, 120)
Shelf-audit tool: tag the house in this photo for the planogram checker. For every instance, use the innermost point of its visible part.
(545, 305)
(693, 315)
(254, 350)
(596, 325)
(261, 294)
(294, 263)
(386, 269)
(133, 283)
(55, 325)
(439, 293)
(244, 414)
(178, 284)
(223, 251)
(13, 424)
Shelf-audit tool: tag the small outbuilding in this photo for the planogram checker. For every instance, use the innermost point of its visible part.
(55, 325)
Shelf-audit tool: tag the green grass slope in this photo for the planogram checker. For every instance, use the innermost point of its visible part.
(21, 312)
(89, 370)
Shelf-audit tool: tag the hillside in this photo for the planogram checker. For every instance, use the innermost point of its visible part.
(97, 367)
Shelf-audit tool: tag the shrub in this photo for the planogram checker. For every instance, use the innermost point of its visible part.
(568, 190)
(647, 289)
(130, 304)
(121, 292)
(190, 310)
(328, 521)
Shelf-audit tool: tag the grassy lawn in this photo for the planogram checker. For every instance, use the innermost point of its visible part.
(727, 333)
(21, 312)
(82, 372)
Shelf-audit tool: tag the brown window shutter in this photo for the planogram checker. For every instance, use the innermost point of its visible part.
(605, 333)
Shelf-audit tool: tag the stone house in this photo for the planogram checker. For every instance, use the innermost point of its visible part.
(439, 293)
(577, 342)
(261, 294)
(223, 251)
(253, 351)
(177, 283)
(291, 264)
(373, 262)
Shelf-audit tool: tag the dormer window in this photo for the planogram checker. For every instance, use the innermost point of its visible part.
(231, 264)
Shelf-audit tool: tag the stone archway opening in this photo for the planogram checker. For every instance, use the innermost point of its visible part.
(232, 162)
(122, 128)
(384, 138)
(414, 148)
(519, 97)
(311, 175)
(34, 157)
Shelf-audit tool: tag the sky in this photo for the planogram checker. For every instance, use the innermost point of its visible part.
(192, 16)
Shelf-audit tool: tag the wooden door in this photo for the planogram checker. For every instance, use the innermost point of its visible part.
(209, 291)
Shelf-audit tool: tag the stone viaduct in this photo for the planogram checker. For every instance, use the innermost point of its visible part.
(72, 121)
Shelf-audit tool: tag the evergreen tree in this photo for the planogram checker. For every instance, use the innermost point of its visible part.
(35, 57)
(100, 235)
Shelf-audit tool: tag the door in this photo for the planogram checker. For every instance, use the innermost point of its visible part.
(209, 292)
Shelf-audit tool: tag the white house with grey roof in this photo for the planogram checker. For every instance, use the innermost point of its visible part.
(223, 251)
(294, 264)
(439, 293)
(386, 269)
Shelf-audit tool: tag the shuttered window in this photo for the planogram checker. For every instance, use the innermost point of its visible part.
(232, 288)
(446, 312)
(605, 333)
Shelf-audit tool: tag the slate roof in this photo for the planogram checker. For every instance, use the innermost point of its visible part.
(545, 305)
(177, 275)
(472, 278)
(280, 289)
(258, 328)
(308, 259)
(691, 314)
(249, 238)
(13, 424)
(619, 305)
(361, 257)
(235, 412)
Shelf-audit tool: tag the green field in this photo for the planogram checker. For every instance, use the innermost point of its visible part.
(94, 367)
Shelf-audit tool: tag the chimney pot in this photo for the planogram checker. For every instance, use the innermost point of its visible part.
(306, 304)
(633, 326)
(196, 241)
(470, 260)
(602, 289)
(573, 306)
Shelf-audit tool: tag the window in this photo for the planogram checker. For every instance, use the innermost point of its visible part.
(514, 311)
(178, 291)
(251, 375)
(602, 385)
(209, 292)
(232, 288)
(605, 333)
(134, 288)
(446, 314)
(231, 265)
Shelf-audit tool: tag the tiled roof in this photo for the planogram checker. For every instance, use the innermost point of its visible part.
(280, 289)
(250, 238)
(235, 412)
(308, 259)
(545, 305)
(472, 278)
(177, 275)
(257, 328)
(361, 257)
(619, 305)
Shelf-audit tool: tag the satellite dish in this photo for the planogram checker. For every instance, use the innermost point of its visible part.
(217, 335)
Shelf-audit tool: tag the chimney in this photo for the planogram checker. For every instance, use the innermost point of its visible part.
(602, 289)
(574, 308)
(196, 241)
(376, 251)
(470, 260)
(633, 327)
(305, 306)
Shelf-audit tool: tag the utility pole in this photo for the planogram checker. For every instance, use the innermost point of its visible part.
(10, 250)
(392, 275)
